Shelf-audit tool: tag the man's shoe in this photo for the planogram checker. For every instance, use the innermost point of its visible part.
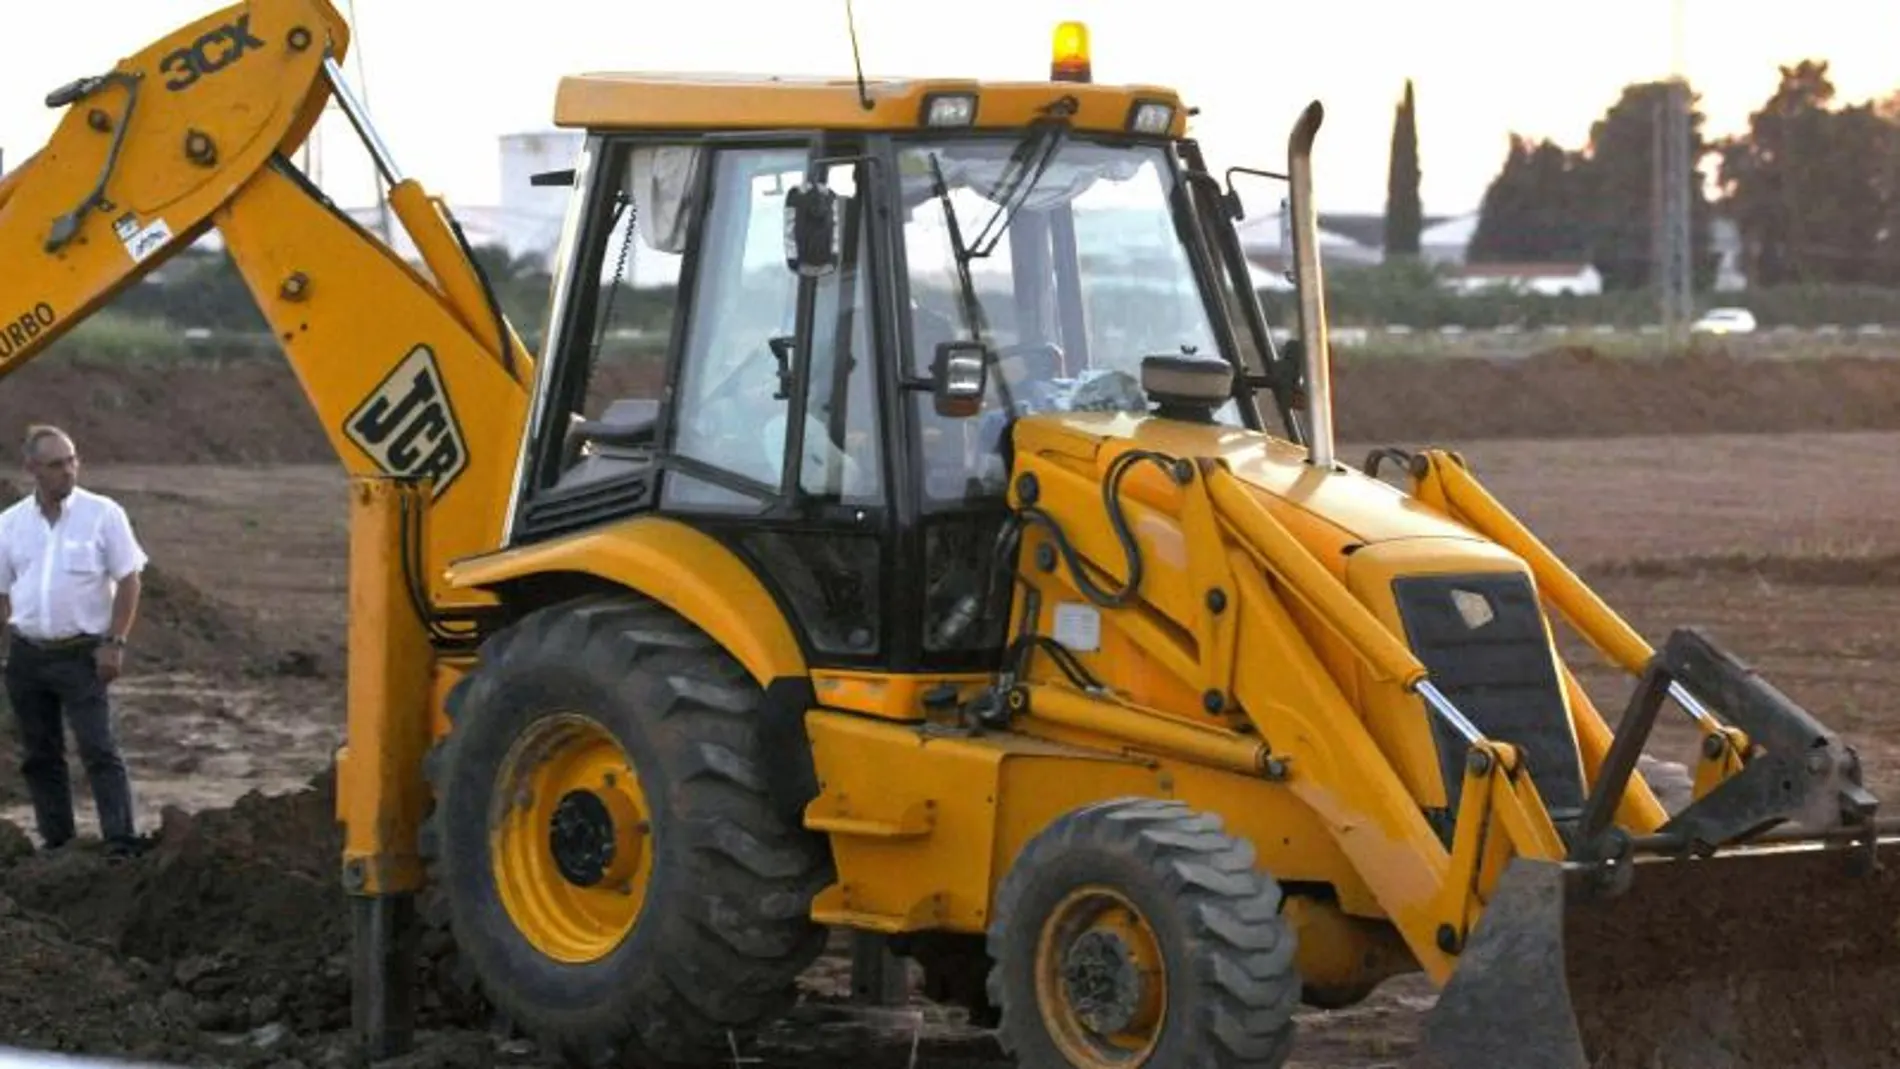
(124, 848)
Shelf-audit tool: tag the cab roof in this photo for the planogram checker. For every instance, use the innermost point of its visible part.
(647, 101)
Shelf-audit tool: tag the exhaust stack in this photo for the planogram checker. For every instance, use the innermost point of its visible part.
(1315, 349)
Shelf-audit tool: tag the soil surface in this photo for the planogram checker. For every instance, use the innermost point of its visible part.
(1755, 499)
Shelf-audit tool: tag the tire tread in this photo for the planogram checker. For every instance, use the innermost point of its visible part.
(1246, 984)
(748, 872)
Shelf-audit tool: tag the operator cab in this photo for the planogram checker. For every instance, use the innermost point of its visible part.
(809, 339)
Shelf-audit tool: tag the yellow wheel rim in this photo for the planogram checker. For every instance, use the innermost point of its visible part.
(1100, 980)
(571, 839)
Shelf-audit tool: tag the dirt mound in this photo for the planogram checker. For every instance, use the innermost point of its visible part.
(64, 995)
(232, 412)
(231, 923)
(229, 941)
(1577, 392)
(1839, 570)
(181, 626)
(252, 409)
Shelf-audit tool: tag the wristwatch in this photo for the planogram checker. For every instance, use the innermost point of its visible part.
(113, 640)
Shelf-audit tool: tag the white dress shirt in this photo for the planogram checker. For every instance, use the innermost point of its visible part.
(60, 577)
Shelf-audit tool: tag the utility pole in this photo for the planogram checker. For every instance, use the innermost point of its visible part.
(1675, 171)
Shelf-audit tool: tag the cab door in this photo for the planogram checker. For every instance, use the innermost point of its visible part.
(774, 441)
(689, 378)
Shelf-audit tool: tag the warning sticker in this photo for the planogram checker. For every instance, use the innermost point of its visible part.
(141, 241)
(1078, 626)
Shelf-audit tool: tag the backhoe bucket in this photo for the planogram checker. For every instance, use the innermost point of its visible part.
(1764, 956)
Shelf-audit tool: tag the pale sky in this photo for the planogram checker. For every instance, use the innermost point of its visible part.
(444, 82)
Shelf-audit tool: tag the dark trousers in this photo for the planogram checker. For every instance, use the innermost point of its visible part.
(49, 688)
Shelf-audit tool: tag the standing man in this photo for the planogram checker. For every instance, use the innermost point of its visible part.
(69, 589)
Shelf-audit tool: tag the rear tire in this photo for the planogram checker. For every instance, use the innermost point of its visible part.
(711, 925)
(1190, 965)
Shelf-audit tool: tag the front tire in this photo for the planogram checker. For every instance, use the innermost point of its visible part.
(617, 877)
(1135, 932)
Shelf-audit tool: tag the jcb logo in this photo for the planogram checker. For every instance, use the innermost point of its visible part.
(23, 328)
(209, 54)
(407, 426)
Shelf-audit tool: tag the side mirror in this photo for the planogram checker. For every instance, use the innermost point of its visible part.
(958, 377)
(811, 230)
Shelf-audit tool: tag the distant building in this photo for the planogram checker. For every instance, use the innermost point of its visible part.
(1350, 238)
(1445, 241)
(1264, 242)
(1550, 280)
(1359, 239)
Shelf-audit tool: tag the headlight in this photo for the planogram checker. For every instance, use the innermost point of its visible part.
(1150, 117)
(950, 109)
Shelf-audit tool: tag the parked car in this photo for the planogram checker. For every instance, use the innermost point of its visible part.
(1725, 321)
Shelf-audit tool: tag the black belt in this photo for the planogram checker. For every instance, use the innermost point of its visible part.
(57, 645)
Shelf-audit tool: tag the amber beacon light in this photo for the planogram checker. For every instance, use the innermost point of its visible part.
(1071, 62)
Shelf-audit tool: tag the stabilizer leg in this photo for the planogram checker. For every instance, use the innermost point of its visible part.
(384, 937)
(878, 977)
(380, 788)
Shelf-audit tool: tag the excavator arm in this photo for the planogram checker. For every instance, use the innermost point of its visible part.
(413, 370)
(147, 152)
(419, 382)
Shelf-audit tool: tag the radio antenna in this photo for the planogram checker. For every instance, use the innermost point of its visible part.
(851, 24)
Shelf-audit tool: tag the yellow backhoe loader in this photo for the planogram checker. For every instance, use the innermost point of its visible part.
(909, 526)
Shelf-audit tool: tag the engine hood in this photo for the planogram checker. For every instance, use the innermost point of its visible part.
(1355, 506)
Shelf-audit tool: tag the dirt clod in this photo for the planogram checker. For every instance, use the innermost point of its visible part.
(14, 843)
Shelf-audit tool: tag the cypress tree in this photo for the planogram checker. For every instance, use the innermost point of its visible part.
(1404, 212)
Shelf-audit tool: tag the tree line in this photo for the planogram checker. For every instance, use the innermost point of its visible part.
(1812, 186)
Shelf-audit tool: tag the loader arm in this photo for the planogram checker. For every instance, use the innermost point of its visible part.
(194, 132)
